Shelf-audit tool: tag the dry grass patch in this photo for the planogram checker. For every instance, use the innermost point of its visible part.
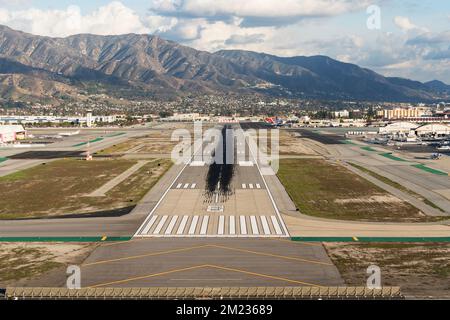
(323, 189)
(19, 261)
(62, 187)
(420, 269)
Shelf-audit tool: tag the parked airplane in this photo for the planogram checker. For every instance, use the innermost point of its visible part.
(68, 134)
(275, 122)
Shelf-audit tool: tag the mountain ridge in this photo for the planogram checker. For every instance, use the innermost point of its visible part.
(162, 67)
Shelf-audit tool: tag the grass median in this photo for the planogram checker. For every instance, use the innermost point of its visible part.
(328, 190)
(62, 188)
(396, 185)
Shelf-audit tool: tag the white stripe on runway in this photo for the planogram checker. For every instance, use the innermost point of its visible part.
(232, 225)
(244, 186)
(204, 228)
(171, 225)
(149, 225)
(182, 225)
(193, 225)
(160, 225)
(254, 225)
(258, 186)
(251, 186)
(186, 186)
(179, 186)
(276, 225)
(193, 186)
(221, 229)
(243, 225)
(265, 225)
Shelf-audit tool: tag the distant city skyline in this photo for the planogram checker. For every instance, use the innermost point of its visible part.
(413, 40)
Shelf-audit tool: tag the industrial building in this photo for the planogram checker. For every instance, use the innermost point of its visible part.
(404, 113)
(434, 130)
(11, 133)
(87, 120)
(399, 128)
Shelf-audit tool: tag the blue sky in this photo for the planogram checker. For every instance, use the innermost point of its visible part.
(413, 40)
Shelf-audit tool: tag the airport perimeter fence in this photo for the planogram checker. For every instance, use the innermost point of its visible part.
(238, 293)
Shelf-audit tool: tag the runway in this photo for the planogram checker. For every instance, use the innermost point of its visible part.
(194, 207)
(72, 146)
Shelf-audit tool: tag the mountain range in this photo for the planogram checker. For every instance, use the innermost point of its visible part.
(147, 65)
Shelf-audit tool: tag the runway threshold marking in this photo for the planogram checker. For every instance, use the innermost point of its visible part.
(193, 225)
(243, 225)
(160, 225)
(278, 230)
(256, 274)
(204, 227)
(171, 225)
(221, 227)
(254, 225)
(182, 225)
(265, 225)
(232, 225)
(149, 225)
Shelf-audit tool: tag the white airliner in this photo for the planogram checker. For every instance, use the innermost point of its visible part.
(68, 134)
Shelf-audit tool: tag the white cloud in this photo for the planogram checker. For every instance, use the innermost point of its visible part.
(405, 24)
(258, 8)
(113, 18)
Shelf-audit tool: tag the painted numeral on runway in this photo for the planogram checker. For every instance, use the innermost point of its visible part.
(265, 225)
(160, 225)
(171, 225)
(276, 225)
(149, 225)
(204, 228)
(254, 225)
(243, 225)
(193, 225)
(182, 226)
(221, 228)
(232, 225)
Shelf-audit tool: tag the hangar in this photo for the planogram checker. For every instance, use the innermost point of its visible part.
(399, 128)
(11, 133)
(435, 130)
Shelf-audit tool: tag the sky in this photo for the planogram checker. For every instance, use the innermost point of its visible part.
(405, 38)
